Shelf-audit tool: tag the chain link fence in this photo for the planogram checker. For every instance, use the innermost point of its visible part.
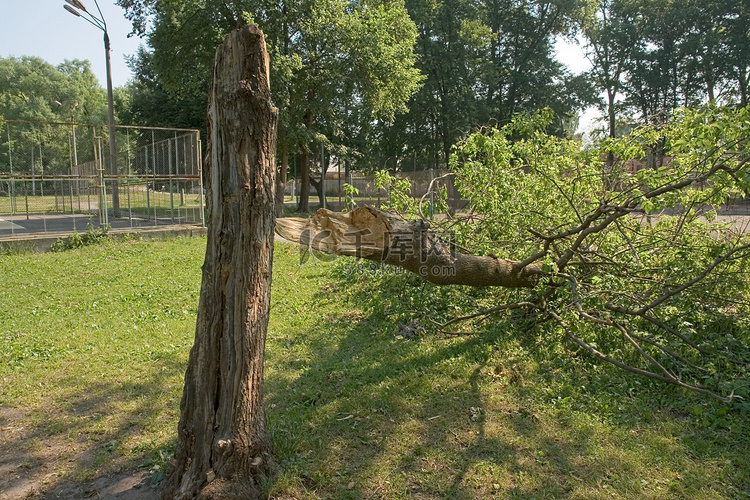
(59, 178)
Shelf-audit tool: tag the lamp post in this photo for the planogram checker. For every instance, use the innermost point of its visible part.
(77, 8)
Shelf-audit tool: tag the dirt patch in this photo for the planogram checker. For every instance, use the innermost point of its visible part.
(134, 486)
(36, 462)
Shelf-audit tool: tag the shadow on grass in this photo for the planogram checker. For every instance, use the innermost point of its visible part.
(357, 412)
(387, 430)
(92, 441)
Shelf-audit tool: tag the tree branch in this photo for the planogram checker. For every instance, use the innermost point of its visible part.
(718, 260)
(487, 312)
(385, 237)
(632, 369)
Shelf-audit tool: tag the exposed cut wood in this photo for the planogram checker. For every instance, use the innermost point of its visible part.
(381, 236)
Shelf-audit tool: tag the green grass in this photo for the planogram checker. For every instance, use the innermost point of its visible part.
(161, 202)
(94, 342)
(93, 346)
(35, 204)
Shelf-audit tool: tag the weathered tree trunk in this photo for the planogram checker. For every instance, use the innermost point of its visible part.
(223, 448)
(318, 184)
(281, 180)
(380, 236)
(315, 183)
(304, 181)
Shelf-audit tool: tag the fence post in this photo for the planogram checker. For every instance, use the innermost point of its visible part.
(41, 187)
(33, 174)
(127, 178)
(170, 158)
(153, 172)
(102, 188)
(26, 197)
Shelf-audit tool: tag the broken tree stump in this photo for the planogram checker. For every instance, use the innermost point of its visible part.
(223, 448)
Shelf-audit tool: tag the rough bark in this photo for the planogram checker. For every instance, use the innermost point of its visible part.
(304, 182)
(223, 448)
(380, 236)
(281, 180)
(317, 184)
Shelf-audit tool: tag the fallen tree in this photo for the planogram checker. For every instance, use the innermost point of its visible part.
(629, 266)
(385, 237)
(666, 298)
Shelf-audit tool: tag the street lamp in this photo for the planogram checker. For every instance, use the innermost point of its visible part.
(77, 8)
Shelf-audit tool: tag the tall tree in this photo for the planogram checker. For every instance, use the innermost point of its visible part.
(223, 448)
(657, 82)
(328, 57)
(734, 29)
(43, 92)
(152, 104)
(32, 89)
(484, 61)
(714, 47)
(683, 53)
(347, 64)
(610, 37)
(523, 75)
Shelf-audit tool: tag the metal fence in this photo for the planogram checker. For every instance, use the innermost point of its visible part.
(58, 177)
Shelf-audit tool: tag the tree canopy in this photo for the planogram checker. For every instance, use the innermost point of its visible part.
(484, 62)
(36, 91)
(661, 56)
(32, 89)
(334, 64)
(396, 85)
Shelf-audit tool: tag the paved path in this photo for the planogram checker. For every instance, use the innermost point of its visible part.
(14, 225)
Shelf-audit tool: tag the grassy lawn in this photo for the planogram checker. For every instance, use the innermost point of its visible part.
(94, 342)
(157, 201)
(37, 204)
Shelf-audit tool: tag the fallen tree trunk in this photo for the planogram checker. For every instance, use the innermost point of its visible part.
(385, 237)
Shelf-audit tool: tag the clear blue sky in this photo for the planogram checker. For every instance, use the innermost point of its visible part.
(42, 28)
